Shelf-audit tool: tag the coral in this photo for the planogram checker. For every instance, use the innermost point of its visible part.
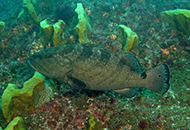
(128, 39)
(180, 18)
(57, 33)
(16, 124)
(46, 31)
(34, 93)
(83, 27)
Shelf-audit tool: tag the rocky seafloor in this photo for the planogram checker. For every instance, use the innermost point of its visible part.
(73, 110)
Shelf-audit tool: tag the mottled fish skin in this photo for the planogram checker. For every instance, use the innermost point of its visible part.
(99, 69)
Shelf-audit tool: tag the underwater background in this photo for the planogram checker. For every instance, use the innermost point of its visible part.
(156, 31)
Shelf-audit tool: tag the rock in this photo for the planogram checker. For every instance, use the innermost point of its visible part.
(16, 124)
(83, 27)
(57, 35)
(35, 92)
(128, 39)
(180, 18)
(46, 31)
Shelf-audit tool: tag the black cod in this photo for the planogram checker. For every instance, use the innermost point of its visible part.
(99, 69)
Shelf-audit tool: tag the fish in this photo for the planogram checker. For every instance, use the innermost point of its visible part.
(99, 69)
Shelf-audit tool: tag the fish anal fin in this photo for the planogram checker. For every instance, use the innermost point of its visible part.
(128, 92)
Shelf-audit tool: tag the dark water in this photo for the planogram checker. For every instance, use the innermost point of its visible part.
(160, 41)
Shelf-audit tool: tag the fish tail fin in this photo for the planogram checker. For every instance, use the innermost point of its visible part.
(158, 79)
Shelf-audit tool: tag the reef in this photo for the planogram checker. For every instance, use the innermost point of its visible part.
(68, 108)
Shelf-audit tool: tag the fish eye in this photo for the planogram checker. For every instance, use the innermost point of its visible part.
(143, 75)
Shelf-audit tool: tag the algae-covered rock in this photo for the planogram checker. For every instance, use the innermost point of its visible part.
(28, 6)
(46, 31)
(57, 33)
(16, 124)
(83, 27)
(34, 93)
(2, 24)
(180, 18)
(128, 39)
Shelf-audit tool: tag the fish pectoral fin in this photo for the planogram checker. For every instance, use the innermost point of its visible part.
(128, 92)
(76, 83)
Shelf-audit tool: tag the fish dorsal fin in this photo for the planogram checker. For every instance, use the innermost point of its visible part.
(130, 60)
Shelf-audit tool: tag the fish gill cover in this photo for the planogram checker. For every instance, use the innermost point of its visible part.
(156, 31)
